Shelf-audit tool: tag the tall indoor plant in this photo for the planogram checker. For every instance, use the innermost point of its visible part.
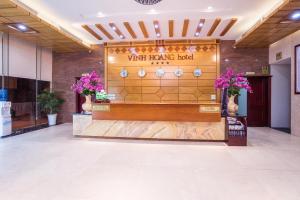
(233, 83)
(87, 86)
(50, 103)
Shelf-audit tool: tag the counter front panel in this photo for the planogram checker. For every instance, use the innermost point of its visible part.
(158, 112)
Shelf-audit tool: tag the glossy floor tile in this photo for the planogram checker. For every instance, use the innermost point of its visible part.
(51, 164)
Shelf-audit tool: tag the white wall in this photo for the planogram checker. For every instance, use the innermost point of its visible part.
(23, 60)
(286, 46)
(281, 96)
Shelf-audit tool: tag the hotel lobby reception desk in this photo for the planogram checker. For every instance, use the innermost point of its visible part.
(152, 121)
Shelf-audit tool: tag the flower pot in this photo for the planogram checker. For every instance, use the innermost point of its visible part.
(232, 107)
(87, 106)
(52, 119)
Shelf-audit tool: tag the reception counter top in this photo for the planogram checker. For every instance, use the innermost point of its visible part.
(206, 112)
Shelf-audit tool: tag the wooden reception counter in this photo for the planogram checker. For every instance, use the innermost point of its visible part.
(209, 112)
(152, 121)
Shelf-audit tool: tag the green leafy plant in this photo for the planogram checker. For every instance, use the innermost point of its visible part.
(49, 102)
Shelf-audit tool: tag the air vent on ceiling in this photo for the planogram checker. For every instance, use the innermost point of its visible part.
(148, 2)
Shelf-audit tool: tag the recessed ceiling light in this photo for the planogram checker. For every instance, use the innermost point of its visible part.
(148, 2)
(114, 28)
(197, 34)
(100, 14)
(295, 15)
(22, 28)
(121, 36)
(209, 8)
(156, 26)
(201, 24)
(152, 12)
(158, 34)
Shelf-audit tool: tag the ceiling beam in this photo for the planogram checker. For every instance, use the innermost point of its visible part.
(214, 27)
(229, 26)
(104, 31)
(199, 27)
(130, 30)
(185, 27)
(143, 29)
(171, 28)
(157, 28)
(92, 32)
(117, 30)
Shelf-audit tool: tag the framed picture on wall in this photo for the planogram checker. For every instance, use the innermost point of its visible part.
(297, 69)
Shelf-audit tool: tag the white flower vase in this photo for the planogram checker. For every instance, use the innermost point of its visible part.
(232, 107)
(87, 106)
(52, 119)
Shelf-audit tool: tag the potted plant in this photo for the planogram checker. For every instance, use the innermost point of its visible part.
(233, 83)
(87, 86)
(50, 103)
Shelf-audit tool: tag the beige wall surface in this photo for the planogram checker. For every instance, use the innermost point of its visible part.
(287, 46)
(23, 62)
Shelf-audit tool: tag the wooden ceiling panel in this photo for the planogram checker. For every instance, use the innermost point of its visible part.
(92, 32)
(171, 28)
(117, 30)
(130, 30)
(11, 12)
(7, 4)
(270, 29)
(185, 27)
(104, 31)
(22, 19)
(4, 20)
(229, 26)
(199, 27)
(214, 27)
(157, 28)
(48, 36)
(143, 29)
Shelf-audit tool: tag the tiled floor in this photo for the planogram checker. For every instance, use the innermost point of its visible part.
(52, 165)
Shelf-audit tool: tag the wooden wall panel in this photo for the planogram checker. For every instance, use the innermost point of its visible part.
(169, 88)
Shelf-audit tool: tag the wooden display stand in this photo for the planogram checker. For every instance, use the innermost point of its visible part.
(236, 133)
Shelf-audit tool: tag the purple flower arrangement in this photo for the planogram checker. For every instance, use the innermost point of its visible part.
(88, 84)
(232, 82)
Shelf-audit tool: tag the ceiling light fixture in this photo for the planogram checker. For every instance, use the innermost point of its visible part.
(158, 34)
(148, 2)
(197, 34)
(295, 15)
(152, 12)
(21, 28)
(100, 15)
